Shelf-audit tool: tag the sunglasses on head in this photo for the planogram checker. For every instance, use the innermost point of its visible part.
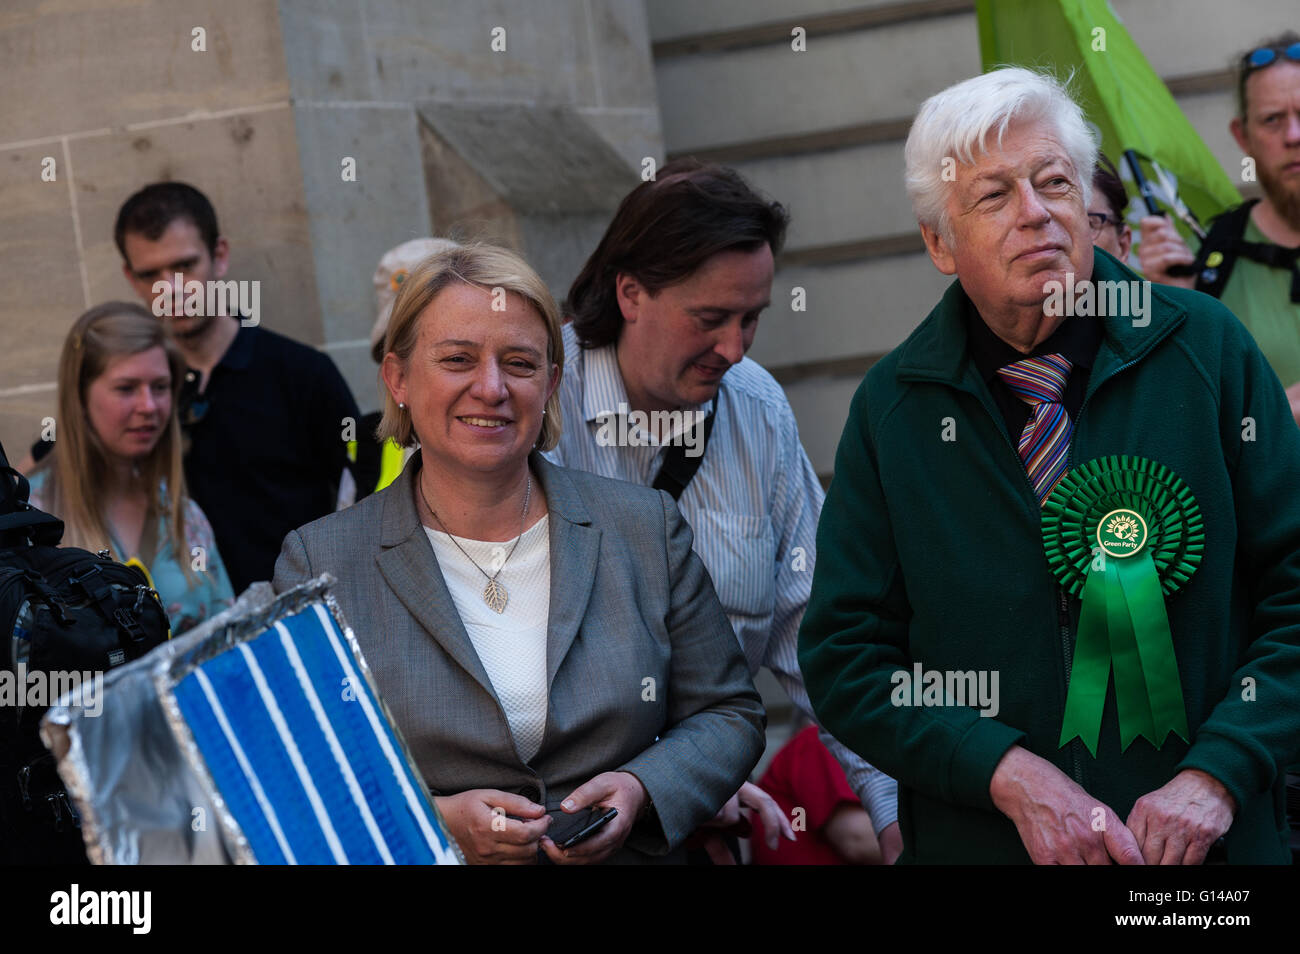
(1267, 55)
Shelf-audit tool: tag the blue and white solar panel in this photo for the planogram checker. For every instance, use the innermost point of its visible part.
(297, 745)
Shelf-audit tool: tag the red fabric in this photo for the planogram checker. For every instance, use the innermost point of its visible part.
(803, 775)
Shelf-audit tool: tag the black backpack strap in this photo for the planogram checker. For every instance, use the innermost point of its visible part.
(1275, 256)
(1218, 253)
(98, 589)
(678, 469)
(1224, 244)
(19, 520)
(14, 488)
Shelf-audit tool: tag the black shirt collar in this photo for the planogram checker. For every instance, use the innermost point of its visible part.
(1076, 338)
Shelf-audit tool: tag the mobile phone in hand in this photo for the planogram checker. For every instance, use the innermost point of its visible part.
(568, 830)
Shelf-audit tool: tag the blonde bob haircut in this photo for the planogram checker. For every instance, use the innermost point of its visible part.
(481, 266)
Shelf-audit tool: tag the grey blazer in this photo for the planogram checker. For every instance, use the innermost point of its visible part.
(630, 602)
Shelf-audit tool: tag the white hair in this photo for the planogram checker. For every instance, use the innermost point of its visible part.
(955, 124)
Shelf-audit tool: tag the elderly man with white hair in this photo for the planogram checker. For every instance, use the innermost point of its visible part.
(1057, 593)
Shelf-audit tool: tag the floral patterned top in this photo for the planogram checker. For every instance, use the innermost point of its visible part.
(187, 604)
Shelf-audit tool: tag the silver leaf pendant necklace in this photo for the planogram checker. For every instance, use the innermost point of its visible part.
(494, 594)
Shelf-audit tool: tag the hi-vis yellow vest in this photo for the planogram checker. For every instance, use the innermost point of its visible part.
(390, 462)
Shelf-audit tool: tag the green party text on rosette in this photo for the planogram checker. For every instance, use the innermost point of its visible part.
(1123, 533)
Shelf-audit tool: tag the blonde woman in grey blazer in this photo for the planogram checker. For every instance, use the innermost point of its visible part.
(545, 638)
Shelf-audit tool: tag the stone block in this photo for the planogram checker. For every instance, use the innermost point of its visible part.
(353, 223)
(359, 370)
(541, 160)
(41, 278)
(1179, 38)
(621, 51)
(21, 415)
(80, 65)
(558, 245)
(678, 18)
(840, 80)
(856, 308)
(325, 50)
(443, 51)
(632, 133)
(462, 204)
(840, 195)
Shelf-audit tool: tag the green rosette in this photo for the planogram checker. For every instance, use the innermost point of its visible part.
(1123, 533)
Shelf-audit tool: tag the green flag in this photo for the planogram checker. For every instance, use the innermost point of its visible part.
(1114, 84)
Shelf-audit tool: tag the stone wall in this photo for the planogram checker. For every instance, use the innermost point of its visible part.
(531, 145)
(117, 97)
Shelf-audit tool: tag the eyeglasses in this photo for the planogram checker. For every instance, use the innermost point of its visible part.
(1267, 56)
(1099, 220)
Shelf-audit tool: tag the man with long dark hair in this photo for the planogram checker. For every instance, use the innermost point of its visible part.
(657, 390)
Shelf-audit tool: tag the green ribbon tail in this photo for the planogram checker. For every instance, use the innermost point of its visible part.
(1090, 671)
(1131, 702)
(1143, 511)
(1157, 665)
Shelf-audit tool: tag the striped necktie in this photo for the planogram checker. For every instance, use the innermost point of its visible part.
(1045, 441)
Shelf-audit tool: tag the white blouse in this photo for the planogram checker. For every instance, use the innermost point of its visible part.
(511, 644)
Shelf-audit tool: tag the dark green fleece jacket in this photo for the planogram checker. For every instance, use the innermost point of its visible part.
(930, 551)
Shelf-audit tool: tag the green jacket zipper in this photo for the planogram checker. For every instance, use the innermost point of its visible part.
(1063, 605)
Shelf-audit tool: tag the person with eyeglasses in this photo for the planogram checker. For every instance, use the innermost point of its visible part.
(1106, 211)
(1249, 257)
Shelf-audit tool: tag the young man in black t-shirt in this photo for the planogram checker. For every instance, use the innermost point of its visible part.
(265, 417)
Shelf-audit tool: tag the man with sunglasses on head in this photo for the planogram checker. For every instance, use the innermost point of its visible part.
(263, 415)
(1249, 258)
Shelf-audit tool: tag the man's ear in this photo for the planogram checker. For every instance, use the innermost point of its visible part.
(629, 292)
(1238, 129)
(220, 257)
(940, 252)
(1125, 242)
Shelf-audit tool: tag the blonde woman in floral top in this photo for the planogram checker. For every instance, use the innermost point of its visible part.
(117, 457)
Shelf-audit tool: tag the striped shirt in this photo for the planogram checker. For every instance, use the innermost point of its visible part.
(753, 506)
